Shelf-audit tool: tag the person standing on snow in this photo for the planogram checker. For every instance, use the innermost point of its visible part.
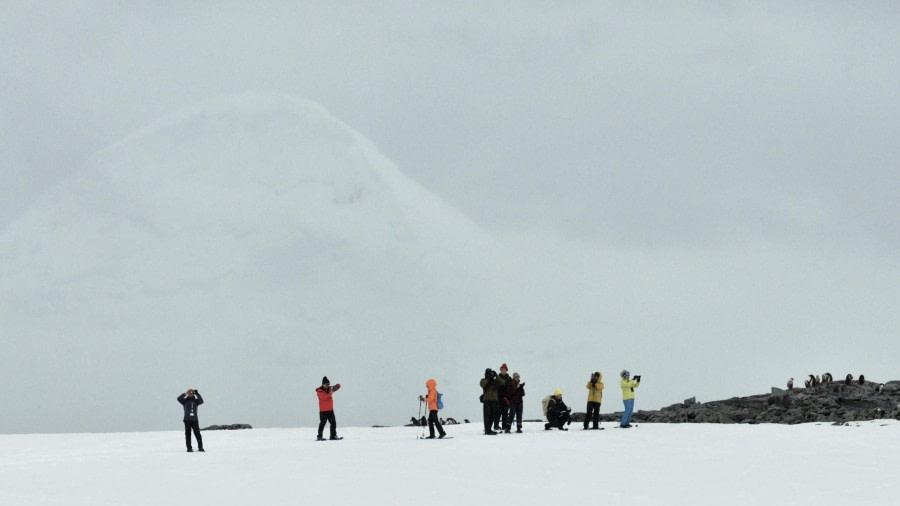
(490, 384)
(190, 400)
(595, 398)
(515, 391)
(502, 415)
(326, 408)
(432, 400)
(628, 385)
(558, 414)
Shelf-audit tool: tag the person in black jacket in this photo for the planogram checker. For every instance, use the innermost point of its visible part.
(502, 416)
(558, 414)
(190, 400)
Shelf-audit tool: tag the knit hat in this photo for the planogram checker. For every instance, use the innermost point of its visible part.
(624, 373)
(502, 367)
(557, 392)
(516, 376)
(325, 380)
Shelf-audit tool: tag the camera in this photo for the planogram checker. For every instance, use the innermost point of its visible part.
(637, 378)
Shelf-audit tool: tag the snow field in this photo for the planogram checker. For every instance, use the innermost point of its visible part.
(650, 464)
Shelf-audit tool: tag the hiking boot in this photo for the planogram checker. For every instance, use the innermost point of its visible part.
(442, 436)
(519, 430)
(431, 437)
(190, 450)
(320, 438)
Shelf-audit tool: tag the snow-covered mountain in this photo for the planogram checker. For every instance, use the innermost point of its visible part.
(246, 246)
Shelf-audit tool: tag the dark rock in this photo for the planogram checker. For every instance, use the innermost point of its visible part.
(234, 426)
(838, 403)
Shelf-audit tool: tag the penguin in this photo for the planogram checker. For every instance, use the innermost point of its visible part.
(812, 380)
(848, 379)
(862, 379)
(827, 378)
(790, 383)
(807, 384)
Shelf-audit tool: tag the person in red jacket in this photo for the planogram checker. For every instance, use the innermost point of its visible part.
(326, 408)
(432, 400)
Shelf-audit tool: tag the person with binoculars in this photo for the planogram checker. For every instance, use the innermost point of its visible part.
(490, 398)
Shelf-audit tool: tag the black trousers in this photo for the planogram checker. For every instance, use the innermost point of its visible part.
(327, 416)
(592, 414)
(491, 410)
(433, 421)
(558, 421)
(192, 426)
(515, 414)
(502, 417)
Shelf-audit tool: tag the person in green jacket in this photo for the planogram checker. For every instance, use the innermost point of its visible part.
(628, 385)
(595, 397)
(490, 384)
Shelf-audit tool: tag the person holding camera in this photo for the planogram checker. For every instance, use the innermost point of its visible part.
(326, 409)
(628, 385)
(515, 391)
(490, 398)
(431, 399)
(595, 398)
(558, 414)
(190, 400)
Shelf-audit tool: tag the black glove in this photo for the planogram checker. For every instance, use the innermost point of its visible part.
(637, 378)
(421, 398)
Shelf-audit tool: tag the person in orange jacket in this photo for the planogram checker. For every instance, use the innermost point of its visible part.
(326, 408)
(432, 400)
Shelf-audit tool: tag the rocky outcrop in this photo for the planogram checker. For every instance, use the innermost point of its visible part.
(835, 402)
(234, 426)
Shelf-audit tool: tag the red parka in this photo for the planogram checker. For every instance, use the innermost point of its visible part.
(326, 403)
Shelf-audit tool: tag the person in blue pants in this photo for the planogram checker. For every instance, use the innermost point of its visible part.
(628, 385)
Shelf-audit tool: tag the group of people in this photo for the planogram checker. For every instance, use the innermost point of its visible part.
(502, 401)
(502, 398)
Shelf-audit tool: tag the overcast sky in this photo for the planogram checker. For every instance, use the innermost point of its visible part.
(650, 124)
(655, 128)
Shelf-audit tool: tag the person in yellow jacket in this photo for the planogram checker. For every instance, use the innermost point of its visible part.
(595, 398)
(628, 385)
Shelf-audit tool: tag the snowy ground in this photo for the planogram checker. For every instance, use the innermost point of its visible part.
(814, 464)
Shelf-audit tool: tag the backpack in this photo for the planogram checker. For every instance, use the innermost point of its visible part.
(544, 402)
(440, 402)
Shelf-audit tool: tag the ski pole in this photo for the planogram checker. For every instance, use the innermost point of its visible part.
(419, 419)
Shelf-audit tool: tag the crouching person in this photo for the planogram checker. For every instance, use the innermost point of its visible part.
(558, 414)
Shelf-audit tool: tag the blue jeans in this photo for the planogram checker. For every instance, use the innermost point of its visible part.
(626, 416)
